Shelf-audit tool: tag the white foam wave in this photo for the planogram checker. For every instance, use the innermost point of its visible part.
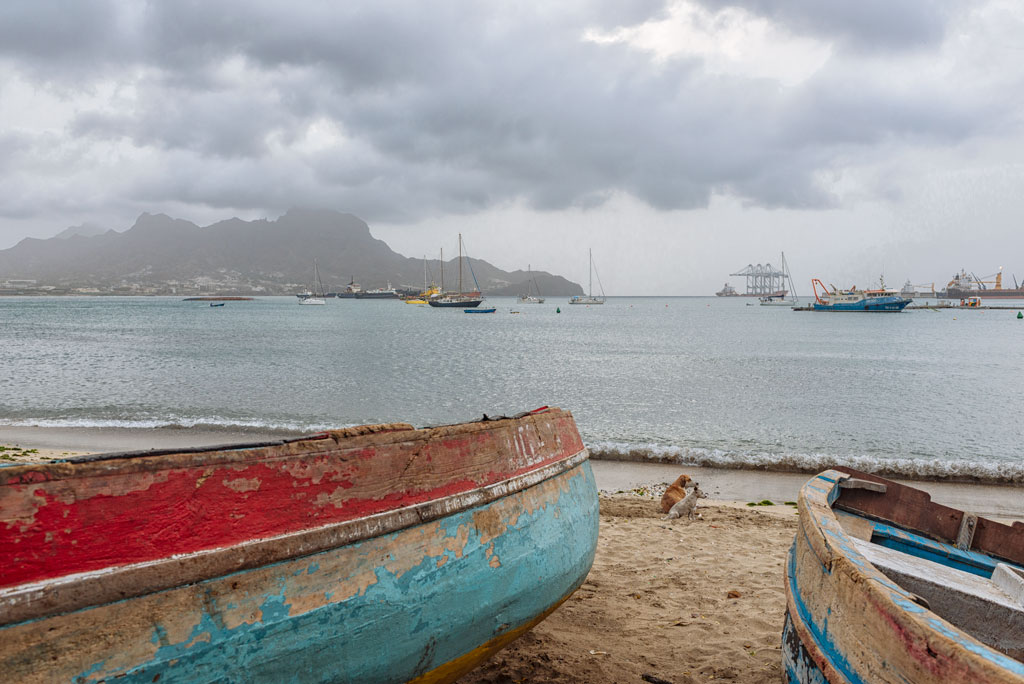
(977, 470)
(176, 422)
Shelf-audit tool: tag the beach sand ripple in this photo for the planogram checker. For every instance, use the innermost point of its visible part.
(657, 602)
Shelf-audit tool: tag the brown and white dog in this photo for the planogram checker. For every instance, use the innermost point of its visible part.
(688, 505)
(675, 493)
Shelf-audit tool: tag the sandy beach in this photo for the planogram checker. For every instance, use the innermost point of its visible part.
(666, 601)
(677, 601)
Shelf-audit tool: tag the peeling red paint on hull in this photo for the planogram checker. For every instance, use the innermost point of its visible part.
(85, 535)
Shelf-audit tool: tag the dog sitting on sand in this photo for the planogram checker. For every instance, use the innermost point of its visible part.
(675, 493)
(688, 505)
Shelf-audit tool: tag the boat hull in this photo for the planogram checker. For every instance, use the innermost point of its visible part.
(846, 621)
(455, 304)
(992, 293)
(421, 592)
(882, 304)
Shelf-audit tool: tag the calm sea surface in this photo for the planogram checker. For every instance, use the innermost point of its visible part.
(712, 381)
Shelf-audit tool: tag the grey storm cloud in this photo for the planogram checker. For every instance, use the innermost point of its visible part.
(456, 106)
(865, 24)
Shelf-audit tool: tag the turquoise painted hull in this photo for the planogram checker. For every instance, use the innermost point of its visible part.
(369, 612)
(891, 304)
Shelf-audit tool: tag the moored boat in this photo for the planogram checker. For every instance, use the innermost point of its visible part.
(373, 554)
(527, 297)
(883, 585)
(318, 297)
(855, 299)
(589, 298)
(479, 311)
(460, 299)
(784, 297)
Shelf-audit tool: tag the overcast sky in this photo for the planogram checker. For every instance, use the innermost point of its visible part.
(680, 141)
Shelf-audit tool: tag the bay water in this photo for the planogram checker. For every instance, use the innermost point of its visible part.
(707, 381)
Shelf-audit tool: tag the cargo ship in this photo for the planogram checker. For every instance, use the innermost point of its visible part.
(965, 285)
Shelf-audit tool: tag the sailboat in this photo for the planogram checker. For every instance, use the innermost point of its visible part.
(528, 298)
(590, 298)
(428, 292)
(314, 298)
(460, 298)
(782, 299)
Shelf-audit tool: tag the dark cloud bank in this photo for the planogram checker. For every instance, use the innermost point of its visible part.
(454, 107)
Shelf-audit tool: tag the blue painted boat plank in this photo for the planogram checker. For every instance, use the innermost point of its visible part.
(384, 610)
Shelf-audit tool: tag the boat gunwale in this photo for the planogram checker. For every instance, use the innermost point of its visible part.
(343, 439)
(70, 593)
(913, 625)
(990, 537)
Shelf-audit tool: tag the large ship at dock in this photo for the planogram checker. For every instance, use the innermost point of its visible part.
(854, 299)
(964, 285)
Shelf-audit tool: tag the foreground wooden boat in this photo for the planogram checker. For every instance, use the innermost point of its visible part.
(373, 554)
(882, 585)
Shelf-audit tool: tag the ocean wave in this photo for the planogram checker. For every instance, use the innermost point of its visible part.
(960, 470)
(177, 422)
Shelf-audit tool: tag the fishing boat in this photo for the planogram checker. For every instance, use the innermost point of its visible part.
(853, 299)
(317, 297)
(589, 298)
(217, 304)
(476, 311)
(380, 553)
(883, 585)
(786, 297)
(460, 298)
(528, 297)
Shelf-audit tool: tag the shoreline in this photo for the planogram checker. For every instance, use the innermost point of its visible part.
(98, 439)
(636, 475)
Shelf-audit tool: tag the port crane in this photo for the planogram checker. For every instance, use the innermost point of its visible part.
(984, 280)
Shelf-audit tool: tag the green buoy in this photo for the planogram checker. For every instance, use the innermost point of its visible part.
(1020, 315)
(558, 309)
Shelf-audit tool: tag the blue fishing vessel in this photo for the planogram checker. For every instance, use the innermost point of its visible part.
(490, 310)
(854, 299)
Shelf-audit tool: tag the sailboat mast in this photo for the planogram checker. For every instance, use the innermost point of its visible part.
(460, 263)
(442, 270)
(590, 284)
(316, 272)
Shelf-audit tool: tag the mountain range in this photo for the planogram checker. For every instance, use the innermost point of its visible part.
(164, 255)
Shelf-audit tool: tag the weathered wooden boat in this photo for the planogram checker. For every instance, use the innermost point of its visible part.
(381, 553)
(883, 585)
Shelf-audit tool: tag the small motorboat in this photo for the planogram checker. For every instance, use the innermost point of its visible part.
(883, 585)
(217, 303)
(488, 310)
(379, 553)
